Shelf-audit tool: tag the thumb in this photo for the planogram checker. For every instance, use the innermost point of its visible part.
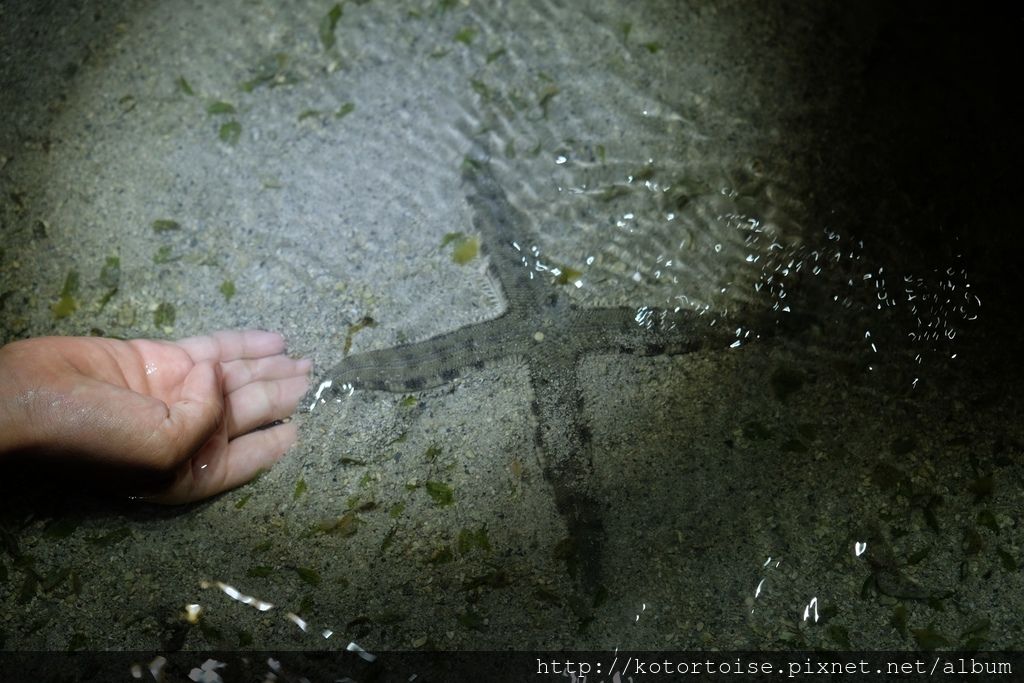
(196, 415)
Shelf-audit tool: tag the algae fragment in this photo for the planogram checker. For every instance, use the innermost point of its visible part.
(469, 539)
(270, 72)
(545, 96)
(78, 641)
(220, 108)
(242, 501)
(441, 555)
(344, 110)
(184, 87)
(465, 35)
(365, 322)
(653, 47)
(1007, 560)
(308, 575)
(344, 526)
(494, 54)
(164, 315)
(227, 288)
(164, 254)
(259, 572)
(61, 527)
(111, 537)
(67, 304)
(440, 493)
(464, 248)
(300, 488)
(110, 278)
(930, 639)
(327, 26)
(165, 225)
(568, 275)
(230, 132)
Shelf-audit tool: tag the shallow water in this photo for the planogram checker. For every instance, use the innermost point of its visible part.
(845, 476)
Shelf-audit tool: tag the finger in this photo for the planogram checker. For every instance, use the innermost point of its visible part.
(260, 403)
(229, 345)
(239, 373)
(194, 418)
(237, 463)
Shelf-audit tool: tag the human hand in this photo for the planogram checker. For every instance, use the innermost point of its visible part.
(185, 414)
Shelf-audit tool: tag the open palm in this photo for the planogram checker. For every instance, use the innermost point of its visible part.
(188, 412)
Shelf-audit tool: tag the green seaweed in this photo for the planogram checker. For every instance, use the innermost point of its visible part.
(465, 248)
(67, 304)
(480, 88)
(1007, 560)
(903, 445)
(471, 619)
(184, 87)
(240, 503)
(785, 382)
(110, 279)
(308, 575)
(545, 96)
(899, 619)
(567, 275)
(61, 527)
(29, 588)
(839, 635)
(470, 539)
(344, 110)
(259, 572)
(389, 538)
(494, 54)
(220, 107)
(355, 328)
(344, 526)
(300, 488)
(442, 555)
(111, 537)
(929, 638)
(396, 510)
(982, 487)
(227, 288)
(440, 493)
(988, 520)
(270, 72)
(653, 46)
(165, 225)
(230, 132)
(55, 578)
(327, 26)
(310, 114)
(465, 35)
(165, 254)
(407, 402)
(164, 315)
